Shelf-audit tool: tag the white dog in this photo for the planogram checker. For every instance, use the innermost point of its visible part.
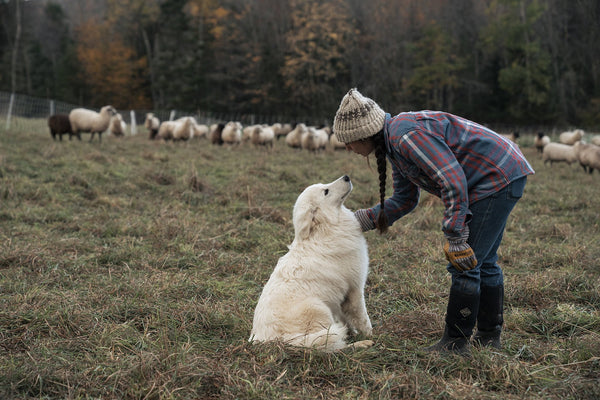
(315, 295)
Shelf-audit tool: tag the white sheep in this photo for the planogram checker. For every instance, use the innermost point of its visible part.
(294, 137)
(248, 131)
(335, 143)
(558, 152)
(314, 139)
(152, 124)
(232, 133)
(117, 126)
(511, 136)
(588, 156)
(84, 120)
(183, 129)
(200, 130)
(570, 137)
(281, 129)
(165, 131)
(263, 135)
(540, 141)
(595, 140)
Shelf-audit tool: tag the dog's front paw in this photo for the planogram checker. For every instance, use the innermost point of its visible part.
(361, 344)
(367, 328)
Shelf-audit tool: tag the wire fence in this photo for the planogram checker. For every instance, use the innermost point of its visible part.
(18, 111)
(23, 112)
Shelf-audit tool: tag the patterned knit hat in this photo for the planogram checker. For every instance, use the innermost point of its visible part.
(357, 118)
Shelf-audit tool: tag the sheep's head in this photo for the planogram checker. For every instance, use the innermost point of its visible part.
(108, 110)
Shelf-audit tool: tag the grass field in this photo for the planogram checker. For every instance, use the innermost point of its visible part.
(130, 270)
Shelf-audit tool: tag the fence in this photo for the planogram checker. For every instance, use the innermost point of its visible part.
(19, 111)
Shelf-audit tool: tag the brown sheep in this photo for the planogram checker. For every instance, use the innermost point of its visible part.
(59, 124)
(215, 134)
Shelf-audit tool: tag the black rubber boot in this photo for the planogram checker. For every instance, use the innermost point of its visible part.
(490, 317)
(461, 315)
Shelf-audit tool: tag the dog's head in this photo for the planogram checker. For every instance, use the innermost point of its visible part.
(320, 204)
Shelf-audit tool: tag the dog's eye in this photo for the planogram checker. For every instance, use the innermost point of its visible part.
(326, 192)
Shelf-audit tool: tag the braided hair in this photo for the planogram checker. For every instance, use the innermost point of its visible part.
(381, 223)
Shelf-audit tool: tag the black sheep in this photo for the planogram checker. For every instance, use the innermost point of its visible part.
(59, 124)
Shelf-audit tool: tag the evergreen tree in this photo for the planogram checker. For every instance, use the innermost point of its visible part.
(178, 52)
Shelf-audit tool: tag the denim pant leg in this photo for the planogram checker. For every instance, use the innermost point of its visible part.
(487, 225)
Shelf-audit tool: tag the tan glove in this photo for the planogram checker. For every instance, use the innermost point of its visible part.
(459, 253)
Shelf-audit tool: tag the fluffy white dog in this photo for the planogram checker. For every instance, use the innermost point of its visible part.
(315, 295)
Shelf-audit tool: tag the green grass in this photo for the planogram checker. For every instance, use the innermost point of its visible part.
(130, 269)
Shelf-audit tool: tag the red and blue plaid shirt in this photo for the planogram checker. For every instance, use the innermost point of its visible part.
(451, 157)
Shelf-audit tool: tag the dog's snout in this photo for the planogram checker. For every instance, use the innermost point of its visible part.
(346, 178)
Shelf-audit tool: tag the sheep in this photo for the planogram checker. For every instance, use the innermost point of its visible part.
(117, 126)
(183, 129)
(232, 133)
(540, 141)
(152, 124)
(336, 143)
(263, 136)
(248, 131)
(570, 137)
(200, 130)
(595, 140)
(59, 124)
(282, 129)
(165, 131)
(216, 131)
(558, 152)
(511, 136)
(588, 156)
(83, 120)
(294, 137)
(314, 139)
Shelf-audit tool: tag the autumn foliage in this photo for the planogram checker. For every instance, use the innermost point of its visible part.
(109, 68)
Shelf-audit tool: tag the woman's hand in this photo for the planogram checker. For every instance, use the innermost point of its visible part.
(459, 253)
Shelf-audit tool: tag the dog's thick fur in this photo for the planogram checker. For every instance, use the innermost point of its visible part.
(315, 295)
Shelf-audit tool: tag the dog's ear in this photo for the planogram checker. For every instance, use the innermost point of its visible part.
(306, 223)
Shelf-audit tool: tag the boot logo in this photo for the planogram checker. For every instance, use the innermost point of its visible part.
(465, 312)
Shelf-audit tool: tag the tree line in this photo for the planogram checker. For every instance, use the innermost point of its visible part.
(518, 61)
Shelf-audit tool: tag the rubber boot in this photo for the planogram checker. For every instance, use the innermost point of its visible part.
(461, 315)
(490, 317)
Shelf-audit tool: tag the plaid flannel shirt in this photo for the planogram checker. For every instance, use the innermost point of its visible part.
(451, 157)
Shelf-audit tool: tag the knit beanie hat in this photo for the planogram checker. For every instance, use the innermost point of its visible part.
(357, 118)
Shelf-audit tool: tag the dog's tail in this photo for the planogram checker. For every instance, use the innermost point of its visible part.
(328, 339)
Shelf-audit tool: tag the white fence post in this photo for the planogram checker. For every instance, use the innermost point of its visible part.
(172, 115)
(133, 129)
(51, 107)
(10, 106)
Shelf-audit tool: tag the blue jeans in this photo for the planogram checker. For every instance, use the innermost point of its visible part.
(487, 225)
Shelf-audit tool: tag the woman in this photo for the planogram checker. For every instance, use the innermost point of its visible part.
(478, 174)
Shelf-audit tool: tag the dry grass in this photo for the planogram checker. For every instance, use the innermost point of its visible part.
(131, 269)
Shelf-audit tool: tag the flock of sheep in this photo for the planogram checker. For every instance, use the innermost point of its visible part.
(570, 148)
(233, 133)
(183, 129)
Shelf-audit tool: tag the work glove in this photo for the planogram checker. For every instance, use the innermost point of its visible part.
(363, 219)
(459, 253)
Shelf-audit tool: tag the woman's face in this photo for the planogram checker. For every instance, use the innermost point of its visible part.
(364, 147)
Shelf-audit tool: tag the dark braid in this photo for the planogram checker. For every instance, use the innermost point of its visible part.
(379, 143)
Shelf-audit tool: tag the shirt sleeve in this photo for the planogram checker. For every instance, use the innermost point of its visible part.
(430, 153)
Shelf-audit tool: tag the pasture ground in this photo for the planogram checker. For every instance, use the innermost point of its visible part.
(130, 269)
